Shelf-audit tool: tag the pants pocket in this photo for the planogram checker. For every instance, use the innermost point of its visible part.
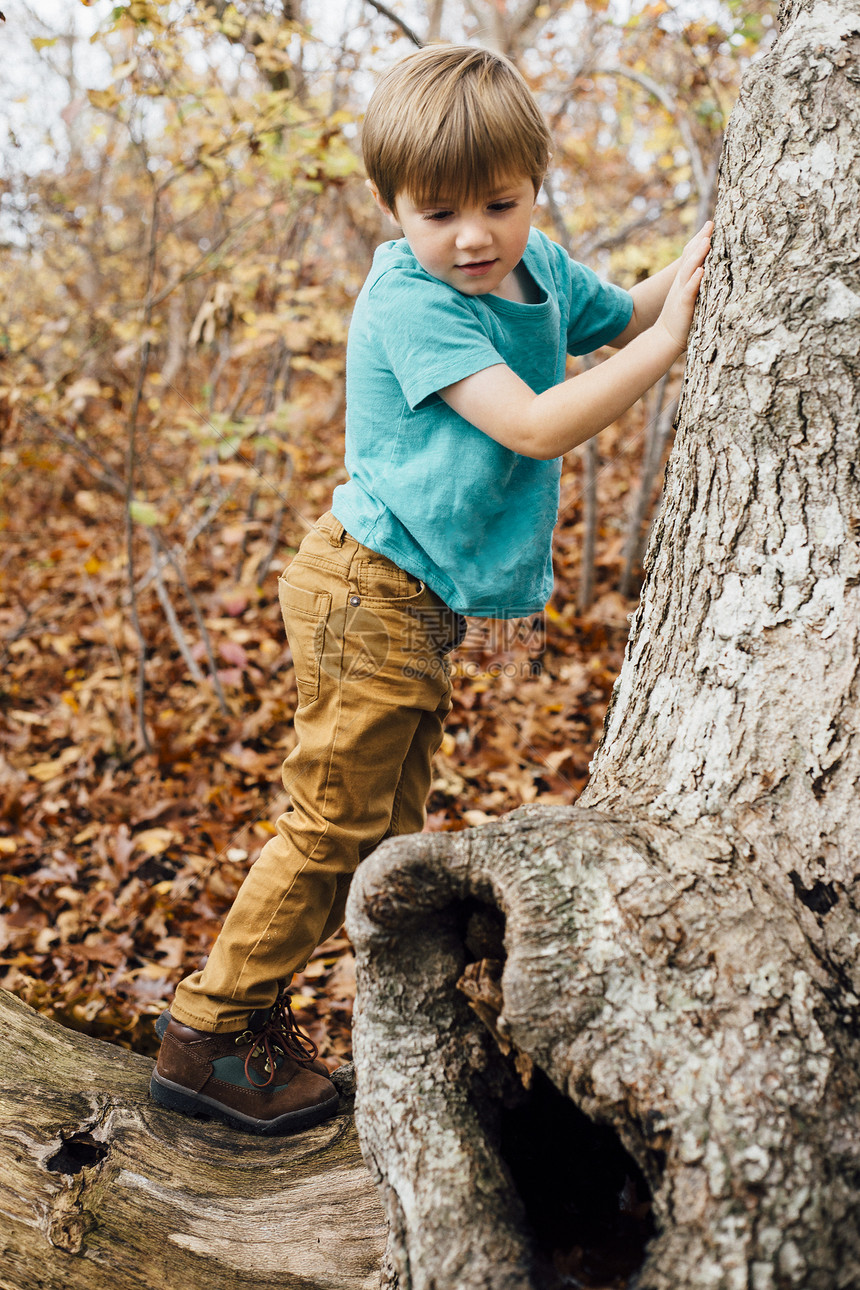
(379, 578)
(305, 615)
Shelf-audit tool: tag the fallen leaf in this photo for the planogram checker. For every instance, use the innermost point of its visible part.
(48, 770)
(154, 842)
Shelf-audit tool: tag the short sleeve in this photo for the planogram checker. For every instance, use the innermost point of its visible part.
(428, 332)
(599, 311)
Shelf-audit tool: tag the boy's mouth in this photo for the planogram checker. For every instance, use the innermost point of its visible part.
(476, 268)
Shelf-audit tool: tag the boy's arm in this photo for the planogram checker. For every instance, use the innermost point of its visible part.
(649, 297)
(548, 425)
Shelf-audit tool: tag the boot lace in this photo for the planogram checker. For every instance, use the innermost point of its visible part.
(280, 1036)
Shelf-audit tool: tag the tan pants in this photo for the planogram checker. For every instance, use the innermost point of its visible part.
(368, 644)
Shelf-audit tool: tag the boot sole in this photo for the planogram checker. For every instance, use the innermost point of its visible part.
(176, 1098)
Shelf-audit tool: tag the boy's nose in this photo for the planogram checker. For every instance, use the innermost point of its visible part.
(471, 234)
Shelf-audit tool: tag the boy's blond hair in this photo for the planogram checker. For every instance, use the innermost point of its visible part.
(452, 122)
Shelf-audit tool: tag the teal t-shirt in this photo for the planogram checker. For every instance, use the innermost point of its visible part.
(469, 517)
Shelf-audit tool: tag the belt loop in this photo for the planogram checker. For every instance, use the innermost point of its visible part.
(336, 533)
(332, 527)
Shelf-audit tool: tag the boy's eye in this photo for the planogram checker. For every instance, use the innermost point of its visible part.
(502, 206)
(438, 215)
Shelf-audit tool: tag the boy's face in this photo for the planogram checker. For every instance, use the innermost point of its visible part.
(473, 246)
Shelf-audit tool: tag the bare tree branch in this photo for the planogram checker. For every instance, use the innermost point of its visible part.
(131, 464)
(198, 618)
(662, 95)
(176, 628)
(531, 16)
(658, 433)
(398, 22)
(585, 593)
(434, 21)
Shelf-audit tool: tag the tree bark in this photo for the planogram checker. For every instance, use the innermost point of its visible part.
(680, 949)
(100, 1189)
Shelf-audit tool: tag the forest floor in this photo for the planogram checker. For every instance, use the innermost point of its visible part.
(117, 864)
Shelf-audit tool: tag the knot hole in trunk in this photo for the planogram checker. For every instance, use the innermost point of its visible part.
(586, 1200)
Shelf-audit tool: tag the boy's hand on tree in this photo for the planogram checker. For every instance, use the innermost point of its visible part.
(676, 315)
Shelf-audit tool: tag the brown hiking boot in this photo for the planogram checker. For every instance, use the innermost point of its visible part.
(264, 1079)
(255, 1022)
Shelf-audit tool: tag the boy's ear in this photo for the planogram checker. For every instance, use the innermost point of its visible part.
(371, 187)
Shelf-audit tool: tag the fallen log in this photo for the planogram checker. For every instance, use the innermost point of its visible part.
(100, 1189)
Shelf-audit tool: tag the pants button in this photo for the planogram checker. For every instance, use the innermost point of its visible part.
(355, 600)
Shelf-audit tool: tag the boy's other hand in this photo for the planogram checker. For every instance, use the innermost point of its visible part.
(676, 315)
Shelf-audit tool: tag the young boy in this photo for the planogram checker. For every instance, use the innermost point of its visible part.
(457, 416)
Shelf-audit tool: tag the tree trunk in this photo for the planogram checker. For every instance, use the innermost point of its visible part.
(680, 950)
(100, 1189)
